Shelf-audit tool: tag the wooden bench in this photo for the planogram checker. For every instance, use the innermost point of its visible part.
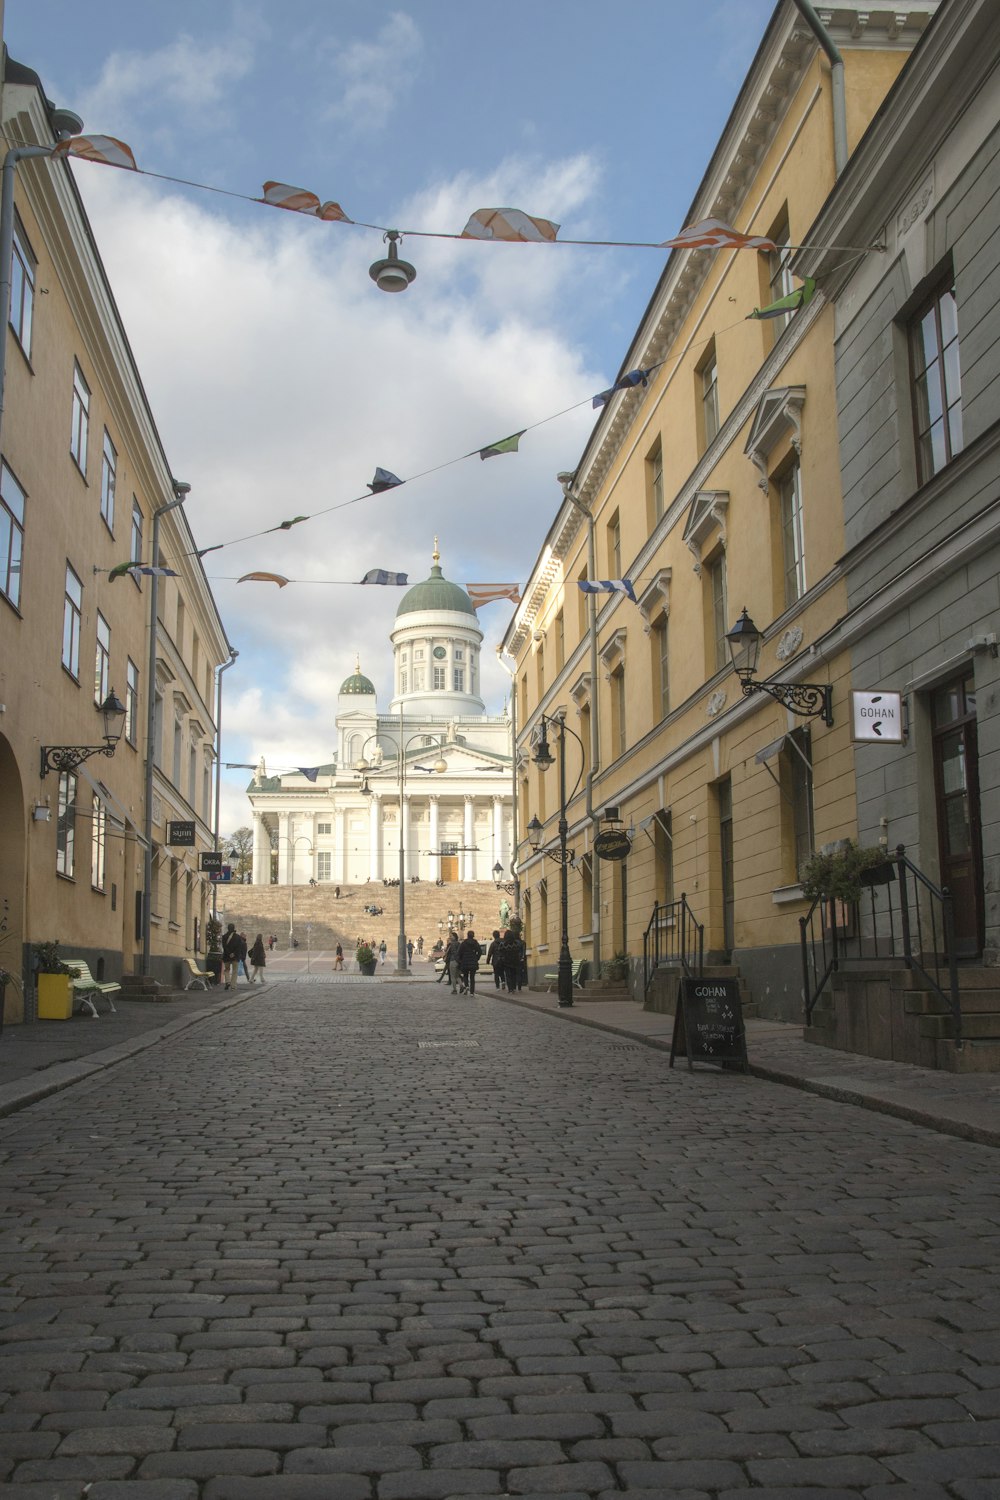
(551, 979)
(198, 978)
(86, 987)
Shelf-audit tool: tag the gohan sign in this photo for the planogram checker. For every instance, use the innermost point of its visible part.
(877, 718)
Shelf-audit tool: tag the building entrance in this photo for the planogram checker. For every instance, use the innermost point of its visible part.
(959, 820)
(449, 868)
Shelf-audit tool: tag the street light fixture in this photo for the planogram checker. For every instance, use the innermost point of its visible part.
(68, 757)
(392, 274)
(810, 700)
(543, 759)
(510, 886)
(293, 843)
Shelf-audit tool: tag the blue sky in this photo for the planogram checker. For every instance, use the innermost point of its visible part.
(280, 376)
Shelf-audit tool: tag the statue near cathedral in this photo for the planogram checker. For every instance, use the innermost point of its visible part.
(504, 912)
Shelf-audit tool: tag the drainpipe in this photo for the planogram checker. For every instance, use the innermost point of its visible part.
(566, 480)
(839, 95)
(233, 654)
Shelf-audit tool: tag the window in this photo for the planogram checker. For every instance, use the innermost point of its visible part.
(654, 482)
(12, 499)
(543, 912)
(779, 275)
(659, 636)
(324, 865)
(404, 678)
(663, 855)
(326, 828)
(793, 550)
(618, 716)
(131, 701)
(937, 382)
(179, 629)
(708, 391)
(418, 654)
(560, 642)
(586, 894)
(98, 843)
(583, 603)
(66, 824)
(797, 786)
(109, 471)
(615, 546)
(418, 679)
(458, 679)
(81, 420)
(22, 287)
(458, 653)
(439, 678)
(135, 550)
(718, 609)
(102, 664)
(72, 614)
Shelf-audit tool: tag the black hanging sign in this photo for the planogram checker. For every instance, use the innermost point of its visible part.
(181, 835)
(211, 859)
(612, 843)
(708, 1023)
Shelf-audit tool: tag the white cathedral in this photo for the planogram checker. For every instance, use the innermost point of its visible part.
(434, 772)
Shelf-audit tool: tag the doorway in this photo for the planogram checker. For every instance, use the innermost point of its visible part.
(449, 868)
(959, 818)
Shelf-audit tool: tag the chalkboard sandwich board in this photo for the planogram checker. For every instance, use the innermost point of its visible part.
(708, 1023)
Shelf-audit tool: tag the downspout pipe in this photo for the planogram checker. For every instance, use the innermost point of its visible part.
(233, 654)
(838, 91)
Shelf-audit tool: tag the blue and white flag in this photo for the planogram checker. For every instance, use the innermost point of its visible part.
(608, 586)
(309, 772)
(379, 575)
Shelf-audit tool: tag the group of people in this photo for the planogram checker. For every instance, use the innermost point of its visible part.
(506, 956)
(235, 955)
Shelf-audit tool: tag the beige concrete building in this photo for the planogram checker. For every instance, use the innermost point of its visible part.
(713, 486)
(83, 474)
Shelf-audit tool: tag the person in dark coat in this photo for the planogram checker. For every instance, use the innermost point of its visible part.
(512, 949)
(258, 958)
(232, 952)
(494, 957)
(450, 970)
(468, 963)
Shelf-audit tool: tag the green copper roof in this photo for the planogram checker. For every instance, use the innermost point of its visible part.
(436, 593)
(358, 683)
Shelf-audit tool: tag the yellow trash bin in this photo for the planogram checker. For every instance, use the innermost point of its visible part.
(55, 997)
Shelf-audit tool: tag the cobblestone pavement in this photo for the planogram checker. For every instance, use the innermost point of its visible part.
(378, 1243)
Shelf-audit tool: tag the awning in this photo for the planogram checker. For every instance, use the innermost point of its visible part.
(116, 812)
(776, 746)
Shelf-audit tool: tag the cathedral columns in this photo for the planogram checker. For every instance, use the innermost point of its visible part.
(261, 851)
(468, 865)
(374, 837)
(497, 854)
(283, 821)
(404, 836)
(339, 861)
(434, 872)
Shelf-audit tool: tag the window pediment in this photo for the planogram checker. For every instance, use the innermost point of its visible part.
(654, 600)
(779, 412)
(706, 513)
(612, 653)
(580, 691)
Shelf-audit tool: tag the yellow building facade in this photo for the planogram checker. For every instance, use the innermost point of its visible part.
(82, 474)
(712, 487)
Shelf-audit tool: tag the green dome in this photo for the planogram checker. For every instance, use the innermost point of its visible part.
(436, 593)
(358, 683)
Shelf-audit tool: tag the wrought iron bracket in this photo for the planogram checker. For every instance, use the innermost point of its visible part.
(68, 757)
(810, 700)
(561, 857)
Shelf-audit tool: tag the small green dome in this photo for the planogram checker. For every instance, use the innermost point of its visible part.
(436, 593)
(358, 683)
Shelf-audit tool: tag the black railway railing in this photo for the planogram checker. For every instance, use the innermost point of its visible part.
(675, 938)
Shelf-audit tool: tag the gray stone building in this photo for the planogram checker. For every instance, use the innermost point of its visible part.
(918, 393)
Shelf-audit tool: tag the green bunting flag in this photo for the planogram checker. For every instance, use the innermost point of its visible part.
(801, 295)
(505, 445)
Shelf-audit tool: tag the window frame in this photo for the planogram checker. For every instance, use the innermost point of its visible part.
(708, 378)
(11, 535)
(654, 482)
(80, 421)
(928, 464)
(791, 520)
(72, 625)
(102, 660)
(23, 269)
(109, 476)
(660, 634)
(131, 702)
(66, 825)
(98, 844)
(718, 609)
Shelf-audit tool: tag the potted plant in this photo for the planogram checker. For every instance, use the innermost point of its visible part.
(366, 958)
(213, 953)
(55, 994)
(840, 873)
(617, 966)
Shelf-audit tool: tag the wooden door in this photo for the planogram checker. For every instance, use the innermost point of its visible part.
(959, 819)
(449, 868)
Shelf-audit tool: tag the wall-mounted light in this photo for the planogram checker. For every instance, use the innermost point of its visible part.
(392, 274)
(41, 812)
(68, 757)
(810, 700)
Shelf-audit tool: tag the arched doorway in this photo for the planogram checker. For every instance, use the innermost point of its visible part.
(12, 879)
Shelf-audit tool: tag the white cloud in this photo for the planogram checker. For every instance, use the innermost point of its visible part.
(376, 75)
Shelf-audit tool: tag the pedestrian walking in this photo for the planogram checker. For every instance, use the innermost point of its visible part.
(382, 950)
(258, 959)
(450, 969)
(409, 950)
(494, 957)
(243, 956)
(338, 957)
(468, 963)
(420, 946)
(231, 955)
(511, 954)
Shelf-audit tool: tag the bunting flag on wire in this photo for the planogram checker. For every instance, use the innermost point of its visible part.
(384, 480)
(264, 578)
(634, 377)
(134, 567)
(286, 525)
(801, 295)
(380, 575)
(100, 148)
(505, 445)
(608, 586)
(302, 201)
(309, 772)
(488, 593)
(713, 234)
(509, 224)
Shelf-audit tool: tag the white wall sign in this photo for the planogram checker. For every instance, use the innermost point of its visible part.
(877, 718)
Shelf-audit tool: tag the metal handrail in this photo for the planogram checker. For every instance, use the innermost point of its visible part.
(673, 936)
(877, 928)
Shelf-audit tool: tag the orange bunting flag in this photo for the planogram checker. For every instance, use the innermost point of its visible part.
(263, 578)
(102, 148)
(507, 224)
(488, 593)
(713, 234)
(301, 201)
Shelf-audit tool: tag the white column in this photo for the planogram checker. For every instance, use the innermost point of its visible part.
(374, 838)
(404, 834)
(468, 838)
(497, 854)
(339, 862)
(434, 863)
(261, 851)
(283, 848)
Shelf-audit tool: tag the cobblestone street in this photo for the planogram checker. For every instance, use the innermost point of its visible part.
(348, 1242)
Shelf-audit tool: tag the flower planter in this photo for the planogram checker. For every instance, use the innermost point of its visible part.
(55, 997)
(368, 969)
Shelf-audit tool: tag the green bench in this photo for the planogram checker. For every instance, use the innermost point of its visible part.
(551, 979)
(86, 987)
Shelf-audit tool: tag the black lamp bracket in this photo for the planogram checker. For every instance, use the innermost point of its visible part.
(810, 700)
(68, 757)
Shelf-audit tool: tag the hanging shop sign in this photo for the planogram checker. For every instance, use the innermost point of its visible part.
(612, 843)
(181, 835)
(877, 718)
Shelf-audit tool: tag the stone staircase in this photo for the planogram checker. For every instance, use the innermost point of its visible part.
(323, 921)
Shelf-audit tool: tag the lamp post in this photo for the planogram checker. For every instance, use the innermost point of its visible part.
(233, 654)
(292, 842)
(543, 759)
(439, 766)
(810, 700)
(181, 492)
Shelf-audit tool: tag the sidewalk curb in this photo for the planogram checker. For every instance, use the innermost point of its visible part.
(25, 1092)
